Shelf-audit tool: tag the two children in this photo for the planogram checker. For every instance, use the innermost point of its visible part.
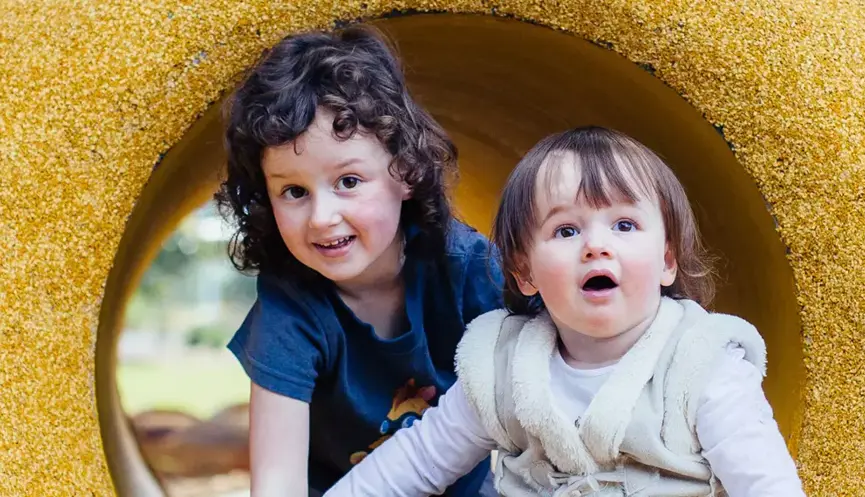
(603, 376)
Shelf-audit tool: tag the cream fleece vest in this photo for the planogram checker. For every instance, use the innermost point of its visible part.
(638, 436)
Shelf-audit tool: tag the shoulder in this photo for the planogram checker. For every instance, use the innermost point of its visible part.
(483, 358)
(478, 342)
(733, 399)
(481, 339)
(484, 327)
(475, 362)
(283, 344)
(281, 298)
(702, 348)
(471, 254)
(733, 373)
(285, 316)
(465, 241)
(473, 271)
(711, 335)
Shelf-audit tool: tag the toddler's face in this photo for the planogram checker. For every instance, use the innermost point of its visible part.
(598, 270)
(336, 205)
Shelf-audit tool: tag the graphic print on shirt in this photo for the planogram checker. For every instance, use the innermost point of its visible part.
(409, 404)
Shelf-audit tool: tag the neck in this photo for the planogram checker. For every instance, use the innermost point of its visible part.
(384, 275)
(582, 351)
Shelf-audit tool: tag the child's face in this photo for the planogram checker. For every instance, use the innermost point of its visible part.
(336, 205)
(599, 271)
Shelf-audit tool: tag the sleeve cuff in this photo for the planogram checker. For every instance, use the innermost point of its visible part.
(269, 379)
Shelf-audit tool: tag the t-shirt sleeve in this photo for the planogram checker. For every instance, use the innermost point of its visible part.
(280, 344)
(482, 291)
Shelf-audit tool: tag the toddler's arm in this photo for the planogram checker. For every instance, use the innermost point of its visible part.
(739, 435)
(426, 458)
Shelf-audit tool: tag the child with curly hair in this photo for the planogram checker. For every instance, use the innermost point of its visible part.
(336, 181)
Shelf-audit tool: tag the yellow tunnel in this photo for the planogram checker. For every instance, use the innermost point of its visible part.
(759, 112)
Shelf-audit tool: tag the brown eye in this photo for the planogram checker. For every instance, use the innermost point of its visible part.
(349, 182)
(295, 192)
(566, 232)
(625, 226)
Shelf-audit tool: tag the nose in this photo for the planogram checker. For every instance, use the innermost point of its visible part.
(325, 212)
(595, 245)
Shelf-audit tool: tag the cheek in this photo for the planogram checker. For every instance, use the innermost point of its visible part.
(553, 269)
(643, 270)
(371, 220)
(290, 224)
(377, 211)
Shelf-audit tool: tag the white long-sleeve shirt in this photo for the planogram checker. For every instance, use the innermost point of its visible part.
(735, 427)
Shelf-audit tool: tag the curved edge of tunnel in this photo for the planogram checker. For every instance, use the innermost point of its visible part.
(185, 178)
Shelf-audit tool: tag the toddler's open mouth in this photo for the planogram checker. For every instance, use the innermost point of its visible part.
(599, 283)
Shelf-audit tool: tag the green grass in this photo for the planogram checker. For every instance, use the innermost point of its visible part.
(197, 386)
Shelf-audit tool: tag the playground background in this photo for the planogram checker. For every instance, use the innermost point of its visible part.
(172, 356)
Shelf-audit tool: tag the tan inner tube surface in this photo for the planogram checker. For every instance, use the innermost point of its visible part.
(499, 86)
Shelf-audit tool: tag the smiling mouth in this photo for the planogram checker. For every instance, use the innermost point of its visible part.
(335, 244)
(599, 283)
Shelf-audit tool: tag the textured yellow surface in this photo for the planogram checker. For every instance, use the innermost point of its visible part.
(92, 94)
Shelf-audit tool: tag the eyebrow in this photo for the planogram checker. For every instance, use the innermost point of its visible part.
(563, 207)
(339, 166)
(552, 212)
(276, 175)
(348, 162)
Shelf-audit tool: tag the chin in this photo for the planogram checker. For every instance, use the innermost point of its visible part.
(343, 276)
(337, 272)
(604, 326)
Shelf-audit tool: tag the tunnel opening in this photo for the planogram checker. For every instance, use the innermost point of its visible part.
(498, 86)
(183, 392)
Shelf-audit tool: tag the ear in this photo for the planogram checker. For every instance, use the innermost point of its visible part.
(525, 285)
(405, 191)
(671, 267)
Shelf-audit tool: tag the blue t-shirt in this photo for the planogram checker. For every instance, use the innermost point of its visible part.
(308, 345)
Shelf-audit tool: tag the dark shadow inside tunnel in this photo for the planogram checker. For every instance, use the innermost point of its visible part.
(498, 86)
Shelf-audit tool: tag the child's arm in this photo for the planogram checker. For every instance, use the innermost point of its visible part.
(278, 444)
(739, 435)
(283, 349)
(426, 458)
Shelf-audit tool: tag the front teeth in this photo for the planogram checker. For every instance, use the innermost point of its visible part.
(335, 242)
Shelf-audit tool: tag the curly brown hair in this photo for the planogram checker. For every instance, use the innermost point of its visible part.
(607, 159)
(354, 74)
